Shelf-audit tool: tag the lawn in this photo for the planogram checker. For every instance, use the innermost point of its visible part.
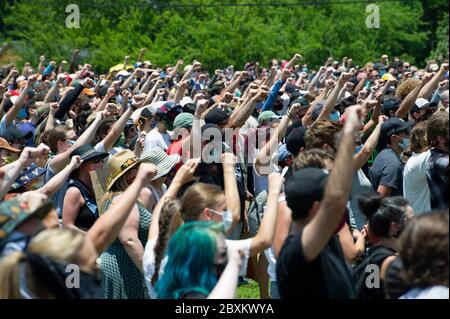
(248, 291)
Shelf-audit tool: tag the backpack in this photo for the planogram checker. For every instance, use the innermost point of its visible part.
(256, 212)
(375, 255)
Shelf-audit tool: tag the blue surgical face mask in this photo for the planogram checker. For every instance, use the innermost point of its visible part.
(227, 218)
(335, 116)
(404, 144)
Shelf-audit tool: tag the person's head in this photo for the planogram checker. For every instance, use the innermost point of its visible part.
(423, 248)
(197, 257)
(418, 139)
(203, 202)
(395, 134)
(123, 167)
(217, 117)
(323, 134)
(304, 191)
(314, 157)
(444, 98)
(295, 141)
(8, 154)
(45, 263)
(60, 139)
(406, 87)
(183, 124)
(169, 221)
(104, 129)
(164, 164)
(386, 216)
(391, 105)
(92, 160)
(165, 116)
(422, 110)
(437, 130)
(268, 119)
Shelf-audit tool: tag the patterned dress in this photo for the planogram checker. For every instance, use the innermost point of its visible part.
(121, 279)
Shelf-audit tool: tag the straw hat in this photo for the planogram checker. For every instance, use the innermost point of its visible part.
(119, 164)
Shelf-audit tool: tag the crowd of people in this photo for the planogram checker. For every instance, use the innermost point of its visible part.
(176, 183)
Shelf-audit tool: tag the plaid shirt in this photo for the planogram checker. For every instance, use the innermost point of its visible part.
(437, 178)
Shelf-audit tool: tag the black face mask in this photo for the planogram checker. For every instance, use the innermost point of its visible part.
(55, 275)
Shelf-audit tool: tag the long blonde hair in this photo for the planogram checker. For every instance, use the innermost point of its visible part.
(58, 244)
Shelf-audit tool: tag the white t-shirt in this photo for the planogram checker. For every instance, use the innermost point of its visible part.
(435, 292)
(415, 186)
(156, 139)
(149, 260)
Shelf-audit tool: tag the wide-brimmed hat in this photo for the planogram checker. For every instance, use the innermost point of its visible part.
(28, 174)
(164, 163)
(14, 212)
(4, 144)
(119, 164)
(88, 152)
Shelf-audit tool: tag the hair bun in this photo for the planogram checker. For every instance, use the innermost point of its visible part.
(369, 204)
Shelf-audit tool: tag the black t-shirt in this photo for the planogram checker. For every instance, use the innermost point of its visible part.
(326, 277)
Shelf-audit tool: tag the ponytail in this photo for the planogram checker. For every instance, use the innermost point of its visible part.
(10, 276)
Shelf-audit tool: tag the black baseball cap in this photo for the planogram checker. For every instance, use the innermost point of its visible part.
(216, 116)
(305, 187)
(394, 125)
(296, 140)
(391, 103)
(16, 134)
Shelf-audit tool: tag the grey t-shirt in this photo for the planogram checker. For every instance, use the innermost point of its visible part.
(387, 170)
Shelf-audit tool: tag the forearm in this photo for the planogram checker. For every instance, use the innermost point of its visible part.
(12, 113)
(314, 81)
(330, 102)
(50, 96)
(106, 229)
(102, 104)
(231, 193)
(179, 93)
(146, 87)
(266, 233)
(11, 172)
(232, 87)
(52, 186)
(227, 284)
(127, 82)
(116, 130)
(7, 79)
(150, 94)
(408, 102)
(241, 114)
(88, 136)
(432, 85)
(67, 101)
(368, 148)
(359, 86)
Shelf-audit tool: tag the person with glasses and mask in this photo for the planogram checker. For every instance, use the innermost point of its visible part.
(79, 206)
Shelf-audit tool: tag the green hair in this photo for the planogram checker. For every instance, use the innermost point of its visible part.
(190, 267)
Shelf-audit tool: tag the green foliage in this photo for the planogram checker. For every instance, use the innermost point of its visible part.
(441, 51)
(216, 36)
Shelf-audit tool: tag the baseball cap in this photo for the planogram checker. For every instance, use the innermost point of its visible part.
(267, 116)
(296, 140)
(392, 126)
(422, 104)
(216, 116)
(183, 120)
(305, 187)
(88, 152)
(391, 103)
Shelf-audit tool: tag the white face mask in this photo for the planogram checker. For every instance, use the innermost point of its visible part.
(227, 218)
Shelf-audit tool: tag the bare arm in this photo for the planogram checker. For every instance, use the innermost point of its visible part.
(231, 189)
(20, 102)
(410, 99)
(73, 201)
(369, 146)
(293, 61)
(116, 130)
(333, 98)
(50, 96)
(283, 226)
(266, 233)
(53, 185)
(315, 79)
(227, 284)
(128, 236)
(352, 250)
(432, 85)
(106, 229)
(110, 93)
(317, 233)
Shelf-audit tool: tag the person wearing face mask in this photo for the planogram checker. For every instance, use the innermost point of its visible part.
(386, 174)
(422, 109)
(386, 217)
(79, 207)
(200, 249)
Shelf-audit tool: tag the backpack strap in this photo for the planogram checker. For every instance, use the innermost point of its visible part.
(88, 200)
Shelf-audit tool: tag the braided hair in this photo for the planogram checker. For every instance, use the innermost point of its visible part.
(169, 221)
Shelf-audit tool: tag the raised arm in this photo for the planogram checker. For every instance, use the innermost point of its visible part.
(333, 98)
(20, 102)
(70, 98)
(13, 73)
(410, 99)
(12, 171)
(174, 70)
(50, 96)
(242, 113)
(266, 233)
(106, 229)
(116, 130)
(231, 189)
(264, 157)
(369, 146)
(111, 92)
(432, 85)
(268, 103)
(227, 284)
(53, 185)
(297, 57)
(317, 233)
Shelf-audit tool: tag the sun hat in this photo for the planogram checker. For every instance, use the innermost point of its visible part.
(163, 162)
(119, 164)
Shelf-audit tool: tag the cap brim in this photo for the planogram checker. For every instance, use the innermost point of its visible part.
(406, 126)
(111, 182)
(10, 148)
(90, 155)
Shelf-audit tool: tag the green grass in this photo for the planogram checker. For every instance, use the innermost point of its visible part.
(248, 291)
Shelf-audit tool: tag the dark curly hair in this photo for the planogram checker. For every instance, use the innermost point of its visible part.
(423, 248)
